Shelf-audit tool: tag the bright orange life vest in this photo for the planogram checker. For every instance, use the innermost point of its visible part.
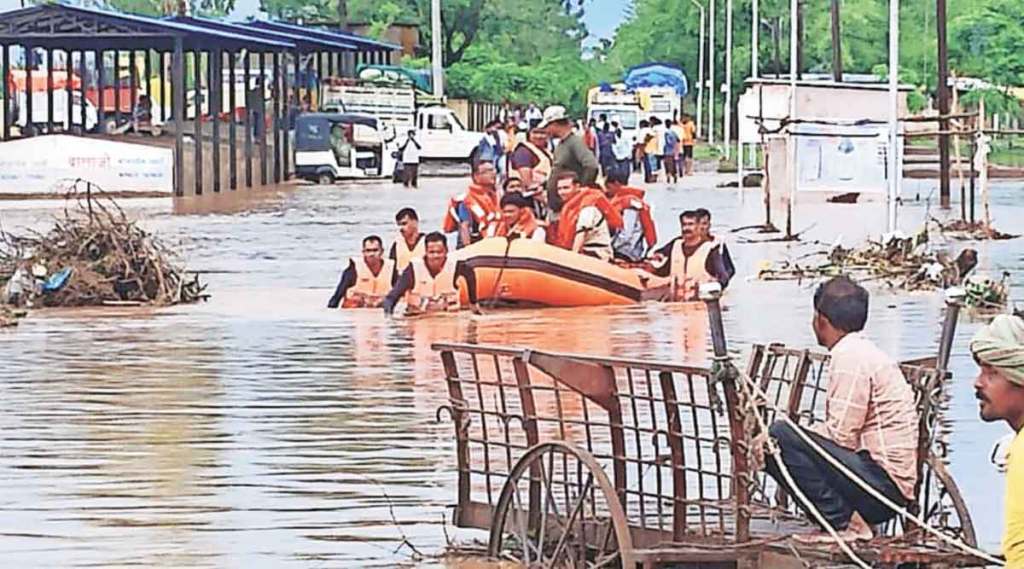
(525, 226)
(482, 204)
(571, 212)
(627, 197)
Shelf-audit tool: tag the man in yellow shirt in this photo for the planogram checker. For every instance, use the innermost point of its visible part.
(999, 351)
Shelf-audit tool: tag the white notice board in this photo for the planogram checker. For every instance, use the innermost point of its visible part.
(841, 158)
(44, 164)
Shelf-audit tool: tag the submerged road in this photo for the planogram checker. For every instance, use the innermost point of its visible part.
(261, 429)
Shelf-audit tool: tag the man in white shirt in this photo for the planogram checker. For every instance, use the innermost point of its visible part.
(410, 157)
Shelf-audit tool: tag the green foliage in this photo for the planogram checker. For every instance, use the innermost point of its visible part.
(996, 102)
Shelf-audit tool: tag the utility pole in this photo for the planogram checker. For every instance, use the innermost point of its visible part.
(727, 130)
(837, 48)
(711, 73)
(794, 69)
(894, 71)
(755, 28)
(777, 40)
(943, 96)
(799, 39)
(700, 67)
(435, 48)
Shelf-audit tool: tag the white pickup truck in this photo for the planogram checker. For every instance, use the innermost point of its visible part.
(439, 131)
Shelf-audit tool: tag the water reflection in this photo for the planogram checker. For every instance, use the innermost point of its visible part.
(261, 429)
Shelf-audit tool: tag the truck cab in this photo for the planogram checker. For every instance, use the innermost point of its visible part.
(439, 131)
(443, 136)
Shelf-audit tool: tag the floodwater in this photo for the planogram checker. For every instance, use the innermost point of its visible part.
(261, 429)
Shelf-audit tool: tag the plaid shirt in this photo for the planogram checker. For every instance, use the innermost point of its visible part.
(870, 406)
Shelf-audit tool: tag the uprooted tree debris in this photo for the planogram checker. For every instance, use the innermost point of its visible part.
(901, 262)
(93, 255)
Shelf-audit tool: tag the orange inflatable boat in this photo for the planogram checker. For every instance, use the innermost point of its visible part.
(530, 272)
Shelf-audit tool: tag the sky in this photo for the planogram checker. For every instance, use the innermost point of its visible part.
(601, 16)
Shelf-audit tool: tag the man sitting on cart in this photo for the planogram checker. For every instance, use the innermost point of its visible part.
(870, 423)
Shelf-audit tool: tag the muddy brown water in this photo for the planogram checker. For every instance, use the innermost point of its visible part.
(261, 429)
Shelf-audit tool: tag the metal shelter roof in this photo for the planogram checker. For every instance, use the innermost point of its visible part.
(303, 41)
(337, 35)
(74, 27)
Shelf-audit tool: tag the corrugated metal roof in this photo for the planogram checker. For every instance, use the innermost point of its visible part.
(191, 33)
(301, 40)
(322, 33)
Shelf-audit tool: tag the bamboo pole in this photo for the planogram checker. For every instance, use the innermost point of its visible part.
(982, 155)
(956, 150)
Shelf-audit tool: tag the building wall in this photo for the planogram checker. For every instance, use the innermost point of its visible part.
(405, 35)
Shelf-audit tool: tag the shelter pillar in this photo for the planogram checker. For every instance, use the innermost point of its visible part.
(178, 108)
(5, 63)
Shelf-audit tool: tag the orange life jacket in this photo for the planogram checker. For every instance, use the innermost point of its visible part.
(432, 293)
(571, 212)
(688, 273)
(541, 171)
(627, 197)
(483, 205)
(525, 226)
(370, 289)
(403, 254)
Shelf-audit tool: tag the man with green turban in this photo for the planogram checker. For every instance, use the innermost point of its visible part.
(999, 351)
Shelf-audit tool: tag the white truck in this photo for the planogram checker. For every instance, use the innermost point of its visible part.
(438, 130)
(630, 106)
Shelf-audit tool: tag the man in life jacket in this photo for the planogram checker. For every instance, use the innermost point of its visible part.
(429, 283)
(690, 260)
(366, 280)
(586, 220)
(517, 219)
(475, 214)
(638, 234)
(408, 243)
(704, 225)
(531, 161)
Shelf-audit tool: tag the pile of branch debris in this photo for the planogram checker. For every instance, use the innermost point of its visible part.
(899, 261)
(93, 255)
(972, 231)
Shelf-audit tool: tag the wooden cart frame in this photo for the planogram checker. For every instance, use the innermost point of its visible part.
(582, 461)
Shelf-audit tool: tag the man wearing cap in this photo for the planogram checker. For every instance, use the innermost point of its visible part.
(999, 351)
(571, 155)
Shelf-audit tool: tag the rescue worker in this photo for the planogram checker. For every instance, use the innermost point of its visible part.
(587, 219)
(704, 226)
(571, 155)
(531, 161)
(998, 350)
(409, 242)
(366, 280)
(518, 220)
(475, 214)
(428, 284)
(638, 234)
(870, 426)
(690, 261)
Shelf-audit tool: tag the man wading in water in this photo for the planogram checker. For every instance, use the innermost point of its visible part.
(870, 423)
(999, 351)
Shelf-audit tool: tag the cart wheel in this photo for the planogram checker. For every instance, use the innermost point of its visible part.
(325, 179)
(558, 509)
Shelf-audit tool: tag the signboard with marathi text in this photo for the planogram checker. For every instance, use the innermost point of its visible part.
(48, 164)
